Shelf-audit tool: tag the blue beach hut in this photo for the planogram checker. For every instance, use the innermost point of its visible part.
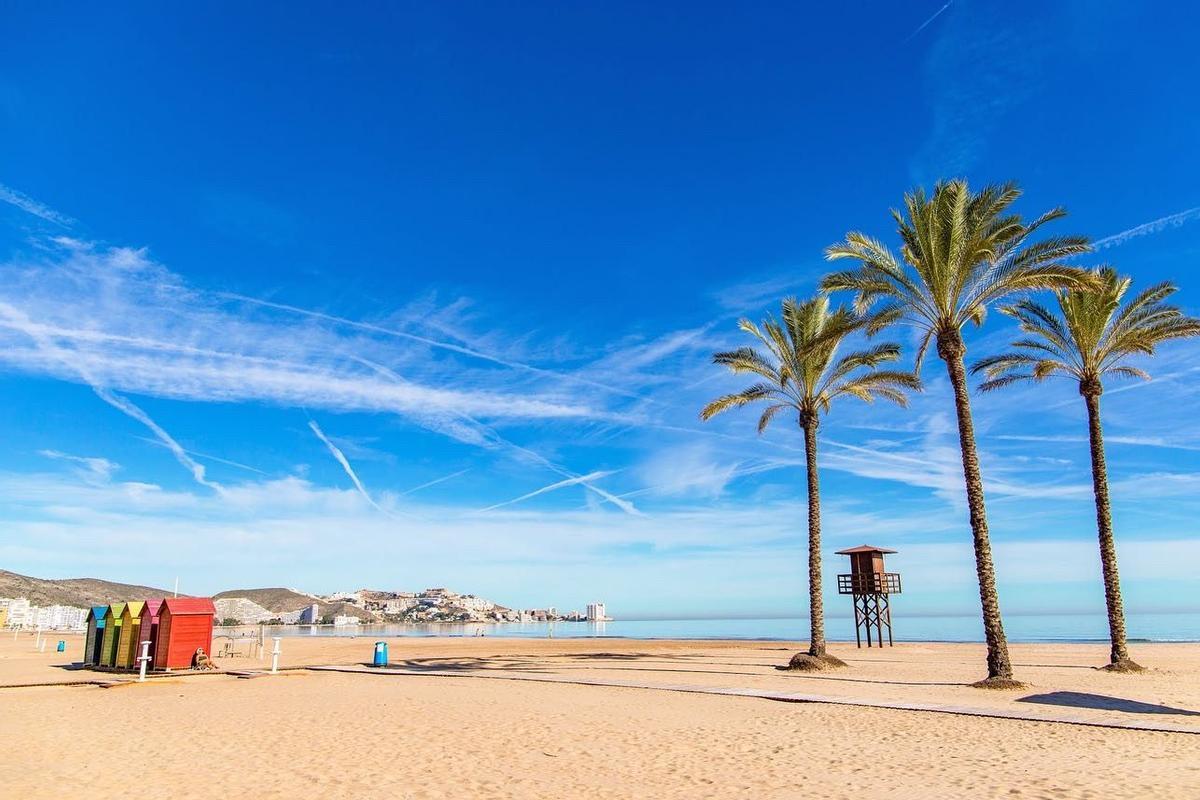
(94, 644)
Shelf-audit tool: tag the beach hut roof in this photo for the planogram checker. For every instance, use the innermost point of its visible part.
(153, 606)
(97, 612)
(134, 607)
(189, 605)
(864, 548)
(116, 609)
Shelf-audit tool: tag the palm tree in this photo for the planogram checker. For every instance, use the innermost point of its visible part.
(961, 252)
(800, 374)
(1090, 338)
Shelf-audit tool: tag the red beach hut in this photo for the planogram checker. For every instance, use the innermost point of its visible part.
(184, 624)
(150, 627)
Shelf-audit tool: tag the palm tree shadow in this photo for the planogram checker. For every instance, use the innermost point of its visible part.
(1103, 703)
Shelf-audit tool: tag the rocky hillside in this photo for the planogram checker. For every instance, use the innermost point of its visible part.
(277, 600)
(79, 592)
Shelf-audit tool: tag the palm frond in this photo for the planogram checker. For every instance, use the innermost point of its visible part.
(1091, 333)
(961, 252)
(799, 365)
(769, 414)
(726, 402)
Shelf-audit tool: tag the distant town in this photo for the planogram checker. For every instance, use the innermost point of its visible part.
(294, 607)
(374, 606)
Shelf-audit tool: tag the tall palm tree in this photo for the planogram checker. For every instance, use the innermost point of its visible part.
(800, 372)
(961, 251)
(1090, 338)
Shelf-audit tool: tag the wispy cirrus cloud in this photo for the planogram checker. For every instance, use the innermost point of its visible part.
(92, 467)
(131, 324)
(44, 345)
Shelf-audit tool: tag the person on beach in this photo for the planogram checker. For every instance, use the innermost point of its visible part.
(202, 661)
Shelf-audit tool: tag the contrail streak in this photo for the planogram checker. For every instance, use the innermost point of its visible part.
(341, 459)
(435, 481)
(125, 406)
(1147, 228)
(209, 457)
(453, 348)
(925, 24)
(487, 435)
(31, 206)
(578, 479)
(21, 322)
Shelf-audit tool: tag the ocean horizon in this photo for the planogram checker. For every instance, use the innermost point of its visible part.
(1029, 628)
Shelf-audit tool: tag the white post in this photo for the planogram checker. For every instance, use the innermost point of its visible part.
(144, 658)
(37, 644)
(42, 646)
(177, 586)
(275, 656)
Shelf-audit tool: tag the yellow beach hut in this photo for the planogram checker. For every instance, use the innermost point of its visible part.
(129, 644)
(112, 634)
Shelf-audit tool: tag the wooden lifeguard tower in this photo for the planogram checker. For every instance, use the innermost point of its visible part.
(872, 586)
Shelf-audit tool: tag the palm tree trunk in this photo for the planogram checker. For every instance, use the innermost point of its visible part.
(1108, 549)
(1000, 673)
(816, 610)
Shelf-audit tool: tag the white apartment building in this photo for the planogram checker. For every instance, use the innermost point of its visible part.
(398, 605)
(18, 611)
(596, 612)
(473, 603)
(21, 614)
(58, 617)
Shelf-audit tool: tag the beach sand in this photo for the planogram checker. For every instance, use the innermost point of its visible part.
(318, 734)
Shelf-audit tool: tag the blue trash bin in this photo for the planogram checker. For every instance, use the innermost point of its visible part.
(62, 646)
(381, 655)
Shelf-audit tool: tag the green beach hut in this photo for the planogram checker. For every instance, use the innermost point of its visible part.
(112, 634)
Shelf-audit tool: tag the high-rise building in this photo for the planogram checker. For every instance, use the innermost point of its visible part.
(596, 612)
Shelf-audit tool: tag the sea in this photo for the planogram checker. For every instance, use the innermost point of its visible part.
(1159, 627)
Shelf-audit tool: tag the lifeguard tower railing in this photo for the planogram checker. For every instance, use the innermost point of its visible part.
(869, 583)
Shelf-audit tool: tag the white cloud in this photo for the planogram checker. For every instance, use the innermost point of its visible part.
(690, 470)
(131, 325)
(93, 468)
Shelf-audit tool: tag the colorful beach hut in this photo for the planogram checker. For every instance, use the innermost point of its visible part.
(93, 645)
(150, 627)
(112, 634)
(184, 624)
(130, 641)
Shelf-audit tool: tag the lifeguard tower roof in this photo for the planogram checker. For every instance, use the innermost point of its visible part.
(864, 548)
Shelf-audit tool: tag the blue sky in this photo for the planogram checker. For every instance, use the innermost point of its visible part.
(418, 295)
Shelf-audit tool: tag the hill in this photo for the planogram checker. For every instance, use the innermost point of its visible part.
(283, 601)
(79, 592)
(275, 600)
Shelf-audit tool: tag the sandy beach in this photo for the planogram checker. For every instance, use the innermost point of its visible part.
(509, 718)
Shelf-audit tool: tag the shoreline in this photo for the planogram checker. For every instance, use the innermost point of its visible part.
(348, 632)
